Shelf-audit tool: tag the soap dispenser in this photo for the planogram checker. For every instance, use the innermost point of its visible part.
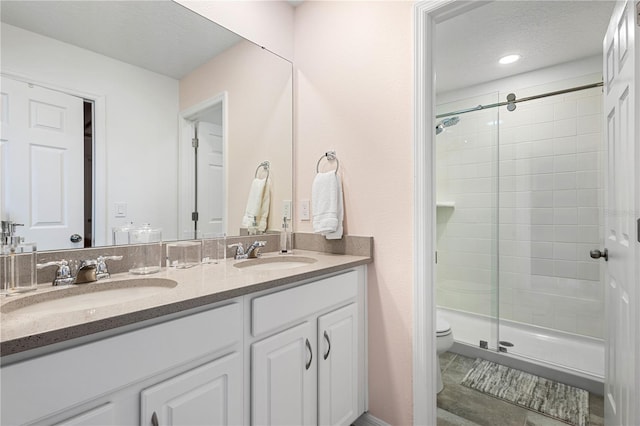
(285, 238)
(17, 261)
(253, 228)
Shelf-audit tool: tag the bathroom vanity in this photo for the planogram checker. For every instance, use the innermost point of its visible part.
(224, 346)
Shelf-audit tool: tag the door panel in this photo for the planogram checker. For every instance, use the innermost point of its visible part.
(211, 204)
(103, 415)
(621, 187)
(43, 185)
(283, 378)
(338, 367)
(207, 395)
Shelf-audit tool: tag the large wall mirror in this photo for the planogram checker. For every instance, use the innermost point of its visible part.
(102, 103)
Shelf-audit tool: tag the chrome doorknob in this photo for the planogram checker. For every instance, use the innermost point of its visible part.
(75, 238)
(597, 254)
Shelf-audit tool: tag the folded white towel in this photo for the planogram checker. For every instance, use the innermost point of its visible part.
(327, 207)
(258, 204)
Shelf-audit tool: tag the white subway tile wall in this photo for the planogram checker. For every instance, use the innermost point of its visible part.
(538, 198)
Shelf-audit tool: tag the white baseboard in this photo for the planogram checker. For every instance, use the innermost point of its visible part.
(368, 420)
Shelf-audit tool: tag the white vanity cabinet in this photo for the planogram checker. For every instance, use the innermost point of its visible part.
(308, 353)
(294, 355)
(189, 367)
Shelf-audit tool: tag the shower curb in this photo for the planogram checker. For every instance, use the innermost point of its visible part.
(590, 384)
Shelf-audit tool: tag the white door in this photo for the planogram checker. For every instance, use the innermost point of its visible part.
(43, 163)
(283, 378)
(211, 185)
(338, 367)
(622, 298)
(207, 395)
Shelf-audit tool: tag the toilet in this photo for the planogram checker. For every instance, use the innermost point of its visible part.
(444, 341)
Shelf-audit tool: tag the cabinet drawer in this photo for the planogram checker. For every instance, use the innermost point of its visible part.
(96, 368)
(284, 307)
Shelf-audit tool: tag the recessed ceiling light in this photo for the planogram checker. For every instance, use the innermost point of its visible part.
(509, 59)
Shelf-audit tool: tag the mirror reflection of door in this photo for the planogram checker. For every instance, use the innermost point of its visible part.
(205, 154)
(210, 179)
(43, 184)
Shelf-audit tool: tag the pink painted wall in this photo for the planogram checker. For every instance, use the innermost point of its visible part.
(353, 94)
(268, 23)
(258, 86)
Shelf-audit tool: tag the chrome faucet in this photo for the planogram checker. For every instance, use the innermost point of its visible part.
(7, 233)
(89, 270)
(252, 252)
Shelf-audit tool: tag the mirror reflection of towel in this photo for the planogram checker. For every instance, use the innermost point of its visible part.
(258, 204)
(327, 205)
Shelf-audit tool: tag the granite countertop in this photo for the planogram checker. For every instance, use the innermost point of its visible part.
(198, 286)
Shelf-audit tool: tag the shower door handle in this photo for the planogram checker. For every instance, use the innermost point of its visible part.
(597, 254)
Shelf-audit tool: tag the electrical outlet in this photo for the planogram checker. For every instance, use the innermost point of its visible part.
(304, 210)
(286, 209)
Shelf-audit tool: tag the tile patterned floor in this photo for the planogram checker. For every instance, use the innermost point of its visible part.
(462, 406)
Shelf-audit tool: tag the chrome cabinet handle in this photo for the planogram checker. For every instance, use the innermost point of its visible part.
(597, 254)
(310, 354)
(326, 336)
(154, 419)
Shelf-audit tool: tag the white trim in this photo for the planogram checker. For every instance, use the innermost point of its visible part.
(368, 420)
(426, 15)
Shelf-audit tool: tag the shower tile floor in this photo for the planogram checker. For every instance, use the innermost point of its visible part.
(461, 406)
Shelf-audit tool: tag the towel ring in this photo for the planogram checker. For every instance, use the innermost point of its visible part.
(264, 165)
(330, 155)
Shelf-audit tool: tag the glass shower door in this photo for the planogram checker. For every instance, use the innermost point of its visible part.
(550, 208)
(467, 220)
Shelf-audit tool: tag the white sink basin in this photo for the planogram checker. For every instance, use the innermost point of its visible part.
(275, 263)
(88, 296)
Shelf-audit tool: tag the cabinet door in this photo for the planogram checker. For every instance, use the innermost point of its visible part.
(207, 395)
(338, 366)
(283, 375)
(100, 416)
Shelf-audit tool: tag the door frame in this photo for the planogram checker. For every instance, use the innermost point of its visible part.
(185, 155)
(99, 159)
(426, 15)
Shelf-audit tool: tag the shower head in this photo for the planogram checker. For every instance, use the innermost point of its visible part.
(447, 122)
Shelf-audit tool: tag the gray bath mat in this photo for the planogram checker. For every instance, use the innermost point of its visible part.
(562, 402)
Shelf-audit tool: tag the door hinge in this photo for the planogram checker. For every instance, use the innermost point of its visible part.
(436, 257)
(638, 229)
(194, 142)
(194, 216)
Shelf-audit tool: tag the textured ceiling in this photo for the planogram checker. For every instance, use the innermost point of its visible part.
(160, 36)
(544, 33)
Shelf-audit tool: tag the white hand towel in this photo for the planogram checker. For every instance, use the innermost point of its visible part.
(328, 212)
(258, 204)
(337, 234)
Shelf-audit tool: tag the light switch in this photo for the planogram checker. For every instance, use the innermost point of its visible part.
(121, 209)
(286, 209)
(304, 210)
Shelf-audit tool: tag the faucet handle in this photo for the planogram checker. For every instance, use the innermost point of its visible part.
(238, 246)
(63, 273)
(101, 269)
